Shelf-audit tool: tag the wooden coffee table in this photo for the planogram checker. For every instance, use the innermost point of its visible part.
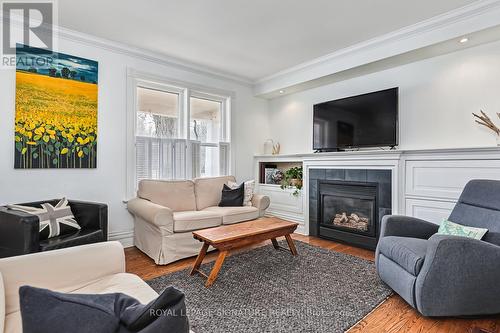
(229, 237)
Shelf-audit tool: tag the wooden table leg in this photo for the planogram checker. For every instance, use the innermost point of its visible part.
(275, 243)
(291, 244)
(216, 269)
(199, 259)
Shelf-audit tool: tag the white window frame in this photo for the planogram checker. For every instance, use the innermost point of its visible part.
(137, 79)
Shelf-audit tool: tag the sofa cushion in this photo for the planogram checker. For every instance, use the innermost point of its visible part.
(209, 190)
(176, 195)
(81, 237)
(409, 253)
(195, 220)
(126, 283)
(232, 215)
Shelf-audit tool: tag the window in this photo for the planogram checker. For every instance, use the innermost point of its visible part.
(157, 135)
(205, 127)
(178, 132)
(157, 113)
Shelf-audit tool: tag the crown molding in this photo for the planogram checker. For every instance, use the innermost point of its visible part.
(477, 16)
(150, 56)
(142, 54)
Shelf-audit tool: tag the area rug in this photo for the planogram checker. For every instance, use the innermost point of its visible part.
(264, 290)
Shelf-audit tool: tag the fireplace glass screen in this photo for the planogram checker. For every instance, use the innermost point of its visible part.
(353, 214)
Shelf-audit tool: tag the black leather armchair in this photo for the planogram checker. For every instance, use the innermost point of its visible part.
(19, 231)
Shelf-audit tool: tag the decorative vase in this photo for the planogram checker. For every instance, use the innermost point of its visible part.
(268, 147)
(296, 182)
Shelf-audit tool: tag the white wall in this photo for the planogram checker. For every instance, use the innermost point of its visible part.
(107, 183)
(436, 99)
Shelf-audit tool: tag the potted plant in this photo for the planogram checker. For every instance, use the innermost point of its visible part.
(292, 179)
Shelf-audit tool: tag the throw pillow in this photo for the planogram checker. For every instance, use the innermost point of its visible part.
(232, 198)
(54, 220)
(43, 310)
(455, 229)
(249, 191)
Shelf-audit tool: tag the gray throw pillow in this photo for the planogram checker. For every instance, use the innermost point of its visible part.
(44, 311)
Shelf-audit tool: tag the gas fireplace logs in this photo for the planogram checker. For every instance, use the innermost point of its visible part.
(351, 221)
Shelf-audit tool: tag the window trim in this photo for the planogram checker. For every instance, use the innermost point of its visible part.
(185, 90)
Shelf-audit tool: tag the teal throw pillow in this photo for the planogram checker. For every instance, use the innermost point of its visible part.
(455, 229)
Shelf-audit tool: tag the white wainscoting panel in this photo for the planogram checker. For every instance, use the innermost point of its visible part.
(429, 210)
(283, 203)
(446, 178)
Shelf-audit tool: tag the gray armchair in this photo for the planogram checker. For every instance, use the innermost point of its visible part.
(442, 275)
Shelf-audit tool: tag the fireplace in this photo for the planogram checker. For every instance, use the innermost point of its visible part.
(350, 209)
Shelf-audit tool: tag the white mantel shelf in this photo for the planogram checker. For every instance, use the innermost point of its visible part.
(380, 153)
(426, 183)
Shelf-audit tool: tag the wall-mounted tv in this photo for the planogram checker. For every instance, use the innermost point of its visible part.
(368, 120)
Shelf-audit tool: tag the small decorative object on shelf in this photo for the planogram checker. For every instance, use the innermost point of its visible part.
(486, 121)
(276, 149)
(273, 176)
(277, 176)
(268, 147)
(293, 179)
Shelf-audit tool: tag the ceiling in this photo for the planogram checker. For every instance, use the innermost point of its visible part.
(247, 39)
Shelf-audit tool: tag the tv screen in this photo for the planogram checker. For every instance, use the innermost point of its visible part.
(369, 120)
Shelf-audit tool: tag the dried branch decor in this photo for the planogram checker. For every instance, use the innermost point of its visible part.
(484, 120)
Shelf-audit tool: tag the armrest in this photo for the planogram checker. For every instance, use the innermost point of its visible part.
(19, 233)
(261, 202)
(62, 270)
(91, 215)
(406, 226)
(152, 213)
(2, 305)
(462, 273)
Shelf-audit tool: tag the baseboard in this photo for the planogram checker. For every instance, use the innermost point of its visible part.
(301, 230)
(124, 237)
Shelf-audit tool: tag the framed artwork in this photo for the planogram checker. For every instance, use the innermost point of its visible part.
(56, 110)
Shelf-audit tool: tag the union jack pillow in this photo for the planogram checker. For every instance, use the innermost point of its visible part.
(54, 220)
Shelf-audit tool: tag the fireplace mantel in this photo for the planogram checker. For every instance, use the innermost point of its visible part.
(425, 183)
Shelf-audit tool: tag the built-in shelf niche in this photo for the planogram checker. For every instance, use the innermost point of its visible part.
(282, 166)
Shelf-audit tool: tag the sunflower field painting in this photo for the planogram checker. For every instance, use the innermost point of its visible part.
(56, 110)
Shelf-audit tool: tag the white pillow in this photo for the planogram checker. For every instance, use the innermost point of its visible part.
(249, 190)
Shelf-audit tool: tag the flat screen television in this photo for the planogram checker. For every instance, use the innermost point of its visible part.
(368, 120)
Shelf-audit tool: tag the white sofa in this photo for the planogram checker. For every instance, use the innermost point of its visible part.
(88, 269)
(167, 212)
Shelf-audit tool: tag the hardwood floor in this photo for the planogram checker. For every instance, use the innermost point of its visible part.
(392, 316)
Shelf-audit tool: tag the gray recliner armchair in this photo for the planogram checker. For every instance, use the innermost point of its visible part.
(443, 275)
